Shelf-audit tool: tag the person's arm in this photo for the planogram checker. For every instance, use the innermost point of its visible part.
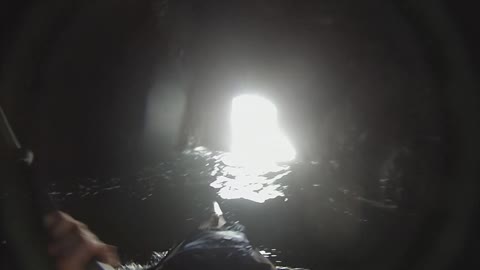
(74, 246)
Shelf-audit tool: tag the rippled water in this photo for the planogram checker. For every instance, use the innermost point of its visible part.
(229, 177)
(234, 179)
(297, 214)
(253, 194)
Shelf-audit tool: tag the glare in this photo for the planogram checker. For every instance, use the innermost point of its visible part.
(217, 209)
(256, 136)
(259, 156)
(240, 180)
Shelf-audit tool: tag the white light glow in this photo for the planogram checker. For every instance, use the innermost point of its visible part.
(217, 209)
(235, 179)
(256, 136)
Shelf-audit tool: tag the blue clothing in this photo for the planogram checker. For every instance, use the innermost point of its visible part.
(216, 249)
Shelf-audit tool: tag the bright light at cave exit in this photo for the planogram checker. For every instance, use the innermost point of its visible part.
(256, 136)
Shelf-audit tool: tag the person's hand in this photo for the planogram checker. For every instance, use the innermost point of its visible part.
(73, 245)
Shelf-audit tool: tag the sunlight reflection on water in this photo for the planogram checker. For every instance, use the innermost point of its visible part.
(238, 179)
